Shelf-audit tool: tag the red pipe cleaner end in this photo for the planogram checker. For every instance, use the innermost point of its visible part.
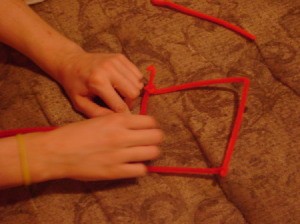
(151, 68)
(191, 12)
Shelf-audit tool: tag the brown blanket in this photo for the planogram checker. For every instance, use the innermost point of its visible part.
(263, 183)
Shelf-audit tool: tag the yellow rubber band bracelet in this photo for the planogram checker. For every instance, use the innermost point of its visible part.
(23, 160)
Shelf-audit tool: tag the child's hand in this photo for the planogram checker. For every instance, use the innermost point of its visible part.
(112, 77)
(108, 147)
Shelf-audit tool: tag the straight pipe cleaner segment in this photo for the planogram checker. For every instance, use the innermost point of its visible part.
(191, 12)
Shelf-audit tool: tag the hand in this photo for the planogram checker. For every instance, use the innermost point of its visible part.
(83, 75)
(111, 77)
(109, 147)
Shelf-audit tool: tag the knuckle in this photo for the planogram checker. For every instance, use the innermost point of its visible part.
(119, 56)
(96, 79)
(140, 75)
(141, 85)
(107, 65)
(118, 118)
(109, 174)
(134, 93)
(117, 173)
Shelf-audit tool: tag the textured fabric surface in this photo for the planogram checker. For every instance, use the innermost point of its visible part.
(263, 183)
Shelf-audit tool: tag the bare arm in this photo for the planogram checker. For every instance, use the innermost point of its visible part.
(108, 147)
(10, 168)
(25, 31)
(83, 75)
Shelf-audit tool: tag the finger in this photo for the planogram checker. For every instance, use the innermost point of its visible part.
(132, 68)
(136, 154)
(137, 122)
(128, 171)
(130, 103)
(109, 95)
(89, 108)
(92, 173)
(143, 137)
(124, 86)
(126, 70)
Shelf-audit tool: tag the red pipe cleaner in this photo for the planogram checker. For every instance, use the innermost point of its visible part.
(13, 132)
(187, 11)
(150, 89)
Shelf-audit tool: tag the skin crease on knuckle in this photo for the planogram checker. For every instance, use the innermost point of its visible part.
(96, 80)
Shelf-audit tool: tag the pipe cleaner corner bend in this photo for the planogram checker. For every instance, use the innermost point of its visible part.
(150, 89)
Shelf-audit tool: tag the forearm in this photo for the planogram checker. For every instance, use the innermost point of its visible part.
(25, 31)
(39, 163)
(10, 171)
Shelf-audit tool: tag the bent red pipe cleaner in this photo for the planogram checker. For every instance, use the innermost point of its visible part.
(191, 12)
(150, 89)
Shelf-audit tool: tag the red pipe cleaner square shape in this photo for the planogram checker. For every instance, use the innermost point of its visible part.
(150, 89)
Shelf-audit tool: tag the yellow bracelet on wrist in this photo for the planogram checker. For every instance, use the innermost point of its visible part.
(23, 160)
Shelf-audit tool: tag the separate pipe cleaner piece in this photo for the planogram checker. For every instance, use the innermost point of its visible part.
(191, 12)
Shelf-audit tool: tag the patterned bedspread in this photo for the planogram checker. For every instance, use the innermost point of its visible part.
(263, 183)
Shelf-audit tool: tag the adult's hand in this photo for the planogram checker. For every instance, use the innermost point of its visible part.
(108, 147)
(111, 77)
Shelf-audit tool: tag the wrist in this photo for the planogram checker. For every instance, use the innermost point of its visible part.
(40, 159)
(55, 63)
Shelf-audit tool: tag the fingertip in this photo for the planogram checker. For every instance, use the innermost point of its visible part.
(154, 153)
(161, 135)
(143, 170)
(141, 84)
(153, 121)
